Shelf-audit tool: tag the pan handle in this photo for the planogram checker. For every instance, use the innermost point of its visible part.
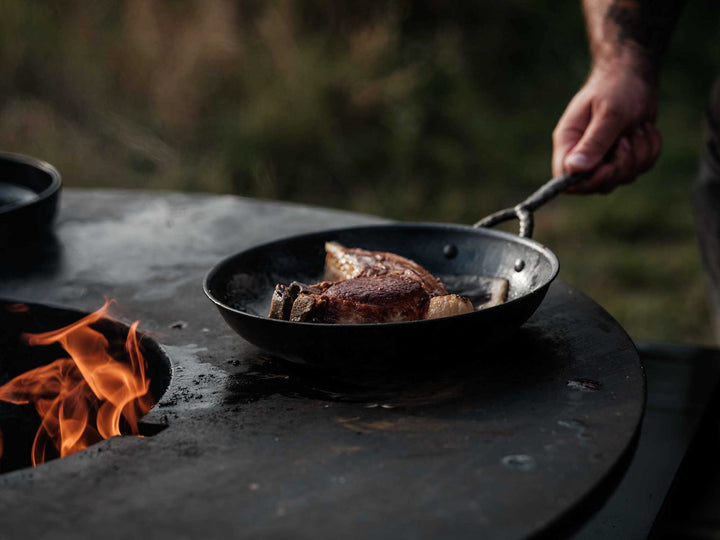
(524, 211)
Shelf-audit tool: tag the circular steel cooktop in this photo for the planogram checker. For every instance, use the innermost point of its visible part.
(513, 442)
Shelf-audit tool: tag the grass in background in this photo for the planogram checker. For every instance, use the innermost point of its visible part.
(412, 110)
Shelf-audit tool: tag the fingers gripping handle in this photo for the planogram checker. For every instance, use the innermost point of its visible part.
(524, 211)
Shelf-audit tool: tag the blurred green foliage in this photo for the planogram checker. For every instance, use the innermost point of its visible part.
(427, 110)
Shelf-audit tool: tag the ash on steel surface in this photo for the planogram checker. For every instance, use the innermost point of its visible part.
(499, 447)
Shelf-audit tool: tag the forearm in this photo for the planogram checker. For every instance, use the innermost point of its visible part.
(631, 33)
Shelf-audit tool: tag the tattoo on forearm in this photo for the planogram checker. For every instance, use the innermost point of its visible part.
(645, 25)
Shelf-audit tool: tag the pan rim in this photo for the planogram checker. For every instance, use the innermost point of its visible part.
(529, 242)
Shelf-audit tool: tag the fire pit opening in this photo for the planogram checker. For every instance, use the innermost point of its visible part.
(69, 380)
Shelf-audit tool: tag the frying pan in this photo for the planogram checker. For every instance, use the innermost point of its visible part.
(241, 287)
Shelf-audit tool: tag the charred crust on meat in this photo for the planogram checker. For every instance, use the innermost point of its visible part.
(361, 300)
(284, 298)
(281, 303)
(381, 291)
(377, 299)
(308, 307)
(347, 263)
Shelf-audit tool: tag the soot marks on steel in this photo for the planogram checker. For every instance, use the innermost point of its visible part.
(268, 376)
(519, 462)
(584, 385)
(196, 385)
(486, 375)
(576, 425)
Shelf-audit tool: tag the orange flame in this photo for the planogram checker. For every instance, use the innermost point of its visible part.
(82, 399)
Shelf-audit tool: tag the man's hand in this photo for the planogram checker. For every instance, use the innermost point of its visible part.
(608, 127)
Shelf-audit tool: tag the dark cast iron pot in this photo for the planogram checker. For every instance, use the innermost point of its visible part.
(29, 193)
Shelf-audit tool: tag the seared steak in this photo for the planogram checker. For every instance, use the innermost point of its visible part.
(346, 263)
(363, 300)
(364, 287)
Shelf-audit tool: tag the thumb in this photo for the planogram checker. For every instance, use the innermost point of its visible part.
(599, 137)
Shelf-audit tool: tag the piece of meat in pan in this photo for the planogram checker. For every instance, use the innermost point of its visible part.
(363, 300)
(347, 263)
(362, 287)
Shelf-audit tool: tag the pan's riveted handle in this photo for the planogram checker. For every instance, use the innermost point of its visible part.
(524, 211)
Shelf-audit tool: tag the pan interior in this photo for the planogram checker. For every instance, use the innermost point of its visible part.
(246, 281)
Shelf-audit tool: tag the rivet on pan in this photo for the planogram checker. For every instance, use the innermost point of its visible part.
(450, 251)
(519, 265)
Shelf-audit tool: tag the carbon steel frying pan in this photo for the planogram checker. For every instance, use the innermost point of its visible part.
(241, 287)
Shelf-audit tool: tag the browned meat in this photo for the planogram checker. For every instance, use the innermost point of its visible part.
(447, 306)
(346, 263)
(364, 287)
(362, 300)
(284, 297)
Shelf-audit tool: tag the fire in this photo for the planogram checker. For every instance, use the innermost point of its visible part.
(87, 397)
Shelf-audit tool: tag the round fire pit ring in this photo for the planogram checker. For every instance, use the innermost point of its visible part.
(19, 423)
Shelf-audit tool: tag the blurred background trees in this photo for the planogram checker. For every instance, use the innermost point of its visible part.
(414, 110)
